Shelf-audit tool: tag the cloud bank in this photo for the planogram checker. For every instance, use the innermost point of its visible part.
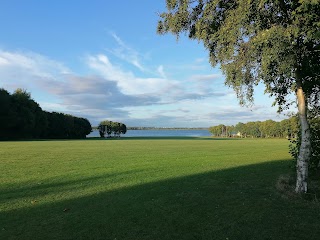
(146, 97)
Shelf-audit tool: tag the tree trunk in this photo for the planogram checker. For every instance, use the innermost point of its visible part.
(304, 151)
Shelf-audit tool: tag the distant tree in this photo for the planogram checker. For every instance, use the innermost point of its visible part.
(25, 118)
(222, 130)
(55, 125)
(21, 117)
(253, 129)
(66, 126)
(109, 127)
(30, 121)
(219, 131)
(212, 130)
(285, 128)
(102, 130)
(123, 128)
(86, 127)
(240, 128)
(276, 42)
(81, 127)
(103, 127)
(268, 128)
(115, 129)
(231, 131)
(7, 115)
(294, 126)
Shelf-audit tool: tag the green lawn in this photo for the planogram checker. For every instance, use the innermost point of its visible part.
(135, 188)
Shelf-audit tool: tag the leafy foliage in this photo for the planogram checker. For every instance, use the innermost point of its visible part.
(66, 126)
(314, 162)
(22, 118)
(261, 40)
(287, 128)
(221, 130)
(110, 127)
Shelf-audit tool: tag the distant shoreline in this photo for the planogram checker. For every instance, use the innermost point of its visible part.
(162, 128)
(161, 132)
(165, 128)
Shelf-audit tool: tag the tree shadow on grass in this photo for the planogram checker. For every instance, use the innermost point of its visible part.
(237, 203)
(38, 189)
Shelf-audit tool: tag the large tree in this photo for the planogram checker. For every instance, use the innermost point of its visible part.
(273, 41)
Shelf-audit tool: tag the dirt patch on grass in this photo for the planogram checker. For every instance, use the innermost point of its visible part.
(286, 187)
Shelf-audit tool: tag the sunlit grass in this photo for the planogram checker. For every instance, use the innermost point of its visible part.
(142, 188)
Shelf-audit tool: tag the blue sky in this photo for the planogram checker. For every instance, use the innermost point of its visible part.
(103, 60)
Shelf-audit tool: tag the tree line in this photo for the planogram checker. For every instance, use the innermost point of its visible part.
(22, 118)
(287, 128)
(109, 128)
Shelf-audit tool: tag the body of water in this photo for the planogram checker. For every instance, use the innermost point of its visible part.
(161, 133)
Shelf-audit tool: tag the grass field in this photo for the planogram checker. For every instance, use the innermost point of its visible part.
(135, 188)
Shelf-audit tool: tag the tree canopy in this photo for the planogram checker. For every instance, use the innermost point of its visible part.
(254, 40)
(22, 118)
(109, 127)
(273, 41)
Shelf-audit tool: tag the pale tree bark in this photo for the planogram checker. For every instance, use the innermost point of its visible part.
(304, 151)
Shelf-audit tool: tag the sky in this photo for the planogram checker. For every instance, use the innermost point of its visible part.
(103, 60)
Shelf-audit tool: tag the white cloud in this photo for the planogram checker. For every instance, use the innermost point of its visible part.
(206, 77)
(200, 60)
(127, 81)
(161, 71)
(18, 69)
(126, 53)
(26, 69)
(167, 90)
(120, 95)
(38, 64)
(3, 61)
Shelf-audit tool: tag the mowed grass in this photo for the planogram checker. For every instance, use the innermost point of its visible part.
(148, 188)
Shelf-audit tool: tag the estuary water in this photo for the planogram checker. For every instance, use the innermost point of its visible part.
(161, 133)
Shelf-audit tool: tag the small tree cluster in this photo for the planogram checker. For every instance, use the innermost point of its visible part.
(22, 118)
(287, 128)
(222, 130)
(109, 128)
